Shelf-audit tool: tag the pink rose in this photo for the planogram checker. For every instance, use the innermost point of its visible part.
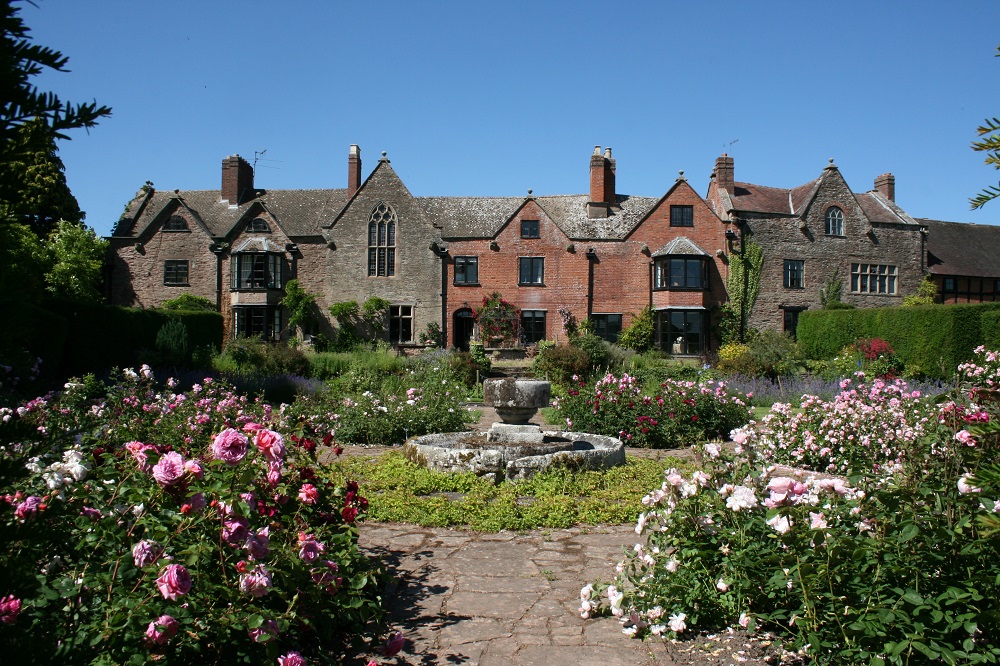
(230, 446)
(169, 471)
(274, 472)
(309, 547)
(161, 630)
(270, 444)
(146, 552)
(308, 493)
(174, 581)
(28, 508)
(9, 609)
(264, 632)
(235, 530)
(90, 512)
(291, 659)
(328, 578)
(258, 544)
(194, 468)
(138, 451)
(194, 504)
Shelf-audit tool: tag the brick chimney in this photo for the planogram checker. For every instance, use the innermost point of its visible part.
(886, 186)
(353, 170)
(602, 184)
(725, 173)
(237, 180)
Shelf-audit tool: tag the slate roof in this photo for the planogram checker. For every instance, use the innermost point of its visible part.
(569, 212)
(470, 217)
(959, 248)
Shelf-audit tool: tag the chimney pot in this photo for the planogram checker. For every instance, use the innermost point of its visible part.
(597, 150)
(607, 153)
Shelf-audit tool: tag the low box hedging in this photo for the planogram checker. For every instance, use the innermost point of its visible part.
(932, 340)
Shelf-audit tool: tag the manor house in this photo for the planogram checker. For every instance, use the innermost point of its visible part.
(602, 255)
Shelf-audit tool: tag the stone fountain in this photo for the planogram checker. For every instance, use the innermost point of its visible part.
(514, 449)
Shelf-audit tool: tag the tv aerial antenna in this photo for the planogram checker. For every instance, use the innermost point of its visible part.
(257, 154)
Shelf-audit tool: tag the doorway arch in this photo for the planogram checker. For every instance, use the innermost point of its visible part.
(464, 321)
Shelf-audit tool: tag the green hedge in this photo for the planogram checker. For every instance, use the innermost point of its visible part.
(932, 339)
(105, 336)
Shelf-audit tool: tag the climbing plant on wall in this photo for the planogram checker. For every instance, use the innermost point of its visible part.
(743, 285)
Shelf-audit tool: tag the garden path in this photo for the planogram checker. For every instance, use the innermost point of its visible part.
(512, 599)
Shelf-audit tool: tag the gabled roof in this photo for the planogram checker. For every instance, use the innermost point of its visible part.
(570, 214)
(681, 245)
(881, 210)
(470, 217)
(752, 198)
(257, 244)
(297, 212)
(958, 248)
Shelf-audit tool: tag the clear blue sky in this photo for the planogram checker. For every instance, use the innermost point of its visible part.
(477, 98)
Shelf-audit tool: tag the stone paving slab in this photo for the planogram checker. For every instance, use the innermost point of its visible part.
(505, 599)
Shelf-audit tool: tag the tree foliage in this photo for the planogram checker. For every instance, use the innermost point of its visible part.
(33, 187)
(990, 129)
(77, 256)
(20, 62)
(301, 305)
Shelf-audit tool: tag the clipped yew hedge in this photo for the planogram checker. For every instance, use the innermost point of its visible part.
(931, 339)
(75, 338)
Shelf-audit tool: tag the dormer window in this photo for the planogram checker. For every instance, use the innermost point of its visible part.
(258, 225)
(175, 223)
(834, 221)
(529, 229)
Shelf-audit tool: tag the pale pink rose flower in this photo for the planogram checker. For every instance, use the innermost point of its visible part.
(965, 437)
(161, 630)
(965, 487)
(677, 623)
(169, 471)
(230, 446)
(309, 547)
(744, 620)
(721, 585)
(174, 581)
(781, 524)
(817, 521)
(781, 484)
(274, 472)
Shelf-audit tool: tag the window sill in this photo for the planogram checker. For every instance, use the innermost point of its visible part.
(176, 284)
(530, 284)
(466, 284)
(679, 289)
(794, 288)
(254, 290)
(835, 235)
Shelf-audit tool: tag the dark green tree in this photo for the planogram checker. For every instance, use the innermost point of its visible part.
(33, 187)
(991, 146)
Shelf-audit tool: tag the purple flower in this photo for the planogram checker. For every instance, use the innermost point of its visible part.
(258, 544)
(392, 645)
(10, 606)
(234, 530)
(293, 658)
(28, 508)
(309, 547)
(230, 446)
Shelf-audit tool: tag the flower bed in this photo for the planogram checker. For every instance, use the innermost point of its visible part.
(893, 564)
(680, 413)
(143, 525)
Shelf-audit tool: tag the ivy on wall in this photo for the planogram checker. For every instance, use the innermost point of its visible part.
(743, 285)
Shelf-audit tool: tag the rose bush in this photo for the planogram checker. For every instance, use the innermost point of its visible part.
(680, 413)
(894, 563)
(143, 524)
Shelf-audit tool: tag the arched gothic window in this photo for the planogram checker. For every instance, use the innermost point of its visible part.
(381, 241)
(834, 221)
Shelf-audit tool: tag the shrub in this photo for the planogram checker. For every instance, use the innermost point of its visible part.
(253, 357)
(638, 336)
(172, 342)
(212, 536)
(679, 413)
(499, 321)
(189, 302)
(597, 349)
(894, 564)
(561, 363)
(479, 356)
(872, 356)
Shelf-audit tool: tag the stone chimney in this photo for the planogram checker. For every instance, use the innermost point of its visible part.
(353, 170)
(886, 186)
(603, 198)
(237, 180)
(725, 173)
